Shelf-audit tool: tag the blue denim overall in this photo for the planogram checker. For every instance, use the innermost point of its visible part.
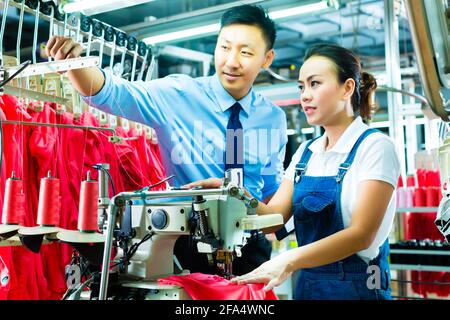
(317, 214)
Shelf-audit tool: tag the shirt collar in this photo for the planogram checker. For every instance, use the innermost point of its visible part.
(345, 142)
(226, 101)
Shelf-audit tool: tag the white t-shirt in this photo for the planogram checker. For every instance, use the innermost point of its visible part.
(376, 159)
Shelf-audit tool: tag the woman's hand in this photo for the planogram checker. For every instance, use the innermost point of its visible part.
(272, 273)
(211, 183)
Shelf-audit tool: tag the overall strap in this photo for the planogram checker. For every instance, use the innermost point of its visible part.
(301, 166)
(351, 156)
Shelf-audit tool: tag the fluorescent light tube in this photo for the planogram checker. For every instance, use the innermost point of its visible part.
(214, 28)
(285, 13)
(183, 34)
(91, 7)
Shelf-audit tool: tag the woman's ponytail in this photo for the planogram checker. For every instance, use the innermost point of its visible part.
(367, 88)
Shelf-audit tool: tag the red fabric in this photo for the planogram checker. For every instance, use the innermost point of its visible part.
(69, 166)
(27, 266)
(212, 287)
(43, 145)
(13, 134)
(152, 168)
(130, 166)
(70, 157)
(110, 157)
(69, 153)
(421, 226)
(6, 255)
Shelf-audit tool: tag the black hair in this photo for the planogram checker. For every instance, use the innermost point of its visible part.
(252, 15)
(348, 66)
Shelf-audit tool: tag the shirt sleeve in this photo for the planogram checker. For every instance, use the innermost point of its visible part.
(379, 161)
(144, 102)
(272, 173)
(290, 171)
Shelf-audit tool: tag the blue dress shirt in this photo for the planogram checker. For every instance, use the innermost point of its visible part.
(190, 116)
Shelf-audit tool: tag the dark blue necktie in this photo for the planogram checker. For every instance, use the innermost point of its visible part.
(234, 150)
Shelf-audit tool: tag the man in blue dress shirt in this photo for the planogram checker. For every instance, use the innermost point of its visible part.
(190, 116)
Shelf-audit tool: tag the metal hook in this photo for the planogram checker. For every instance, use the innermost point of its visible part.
(102, 40)
(122, 60)
(2, 31)
(151, 67)
(144, 64)
(36, 29)
(19, 31)
(132, 45)
(113, 49)
(50, 32)
(88, 50)
(65, 25)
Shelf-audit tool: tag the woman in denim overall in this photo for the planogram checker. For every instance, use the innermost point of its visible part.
(317, 212)
(337, 258)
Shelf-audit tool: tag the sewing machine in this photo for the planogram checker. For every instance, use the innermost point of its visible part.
(218, 220)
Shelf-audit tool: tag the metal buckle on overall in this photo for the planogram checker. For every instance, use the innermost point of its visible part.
(299, 169)
(341, 171)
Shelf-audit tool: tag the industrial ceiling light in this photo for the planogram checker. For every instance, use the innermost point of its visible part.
(211, 29)
(90, 7)
(184, 34)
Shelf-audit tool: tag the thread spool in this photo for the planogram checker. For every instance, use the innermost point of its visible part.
(433, 178)
(409, 197)
(419, 197)
(421, 175)
(49, 206)
(410, 181)
(400, 182)
(14, 202)
(87, 217)
(432, 196)
(401, 197)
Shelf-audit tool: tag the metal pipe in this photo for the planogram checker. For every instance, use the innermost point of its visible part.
(111, 221)
(88, 50)
(36, 29)
(144, 64)
(173, 193)
(393, 77)
(421, 38)
(151, 68)
(122, 60)
(113, 49)
(19, 31)
(406, 93)
(103, 195)
(133, 68)
(2, 30)
(69, 126)
(50, 31)
(65, 26)
(102, 44)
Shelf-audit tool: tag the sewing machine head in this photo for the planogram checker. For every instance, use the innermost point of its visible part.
(145, 228)
(218, 225)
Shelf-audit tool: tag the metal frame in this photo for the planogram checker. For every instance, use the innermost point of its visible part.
(423, 48)
(55, 66)
(118, 202)
(68, 27)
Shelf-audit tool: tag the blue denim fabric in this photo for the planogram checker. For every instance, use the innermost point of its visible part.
(317, 214)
